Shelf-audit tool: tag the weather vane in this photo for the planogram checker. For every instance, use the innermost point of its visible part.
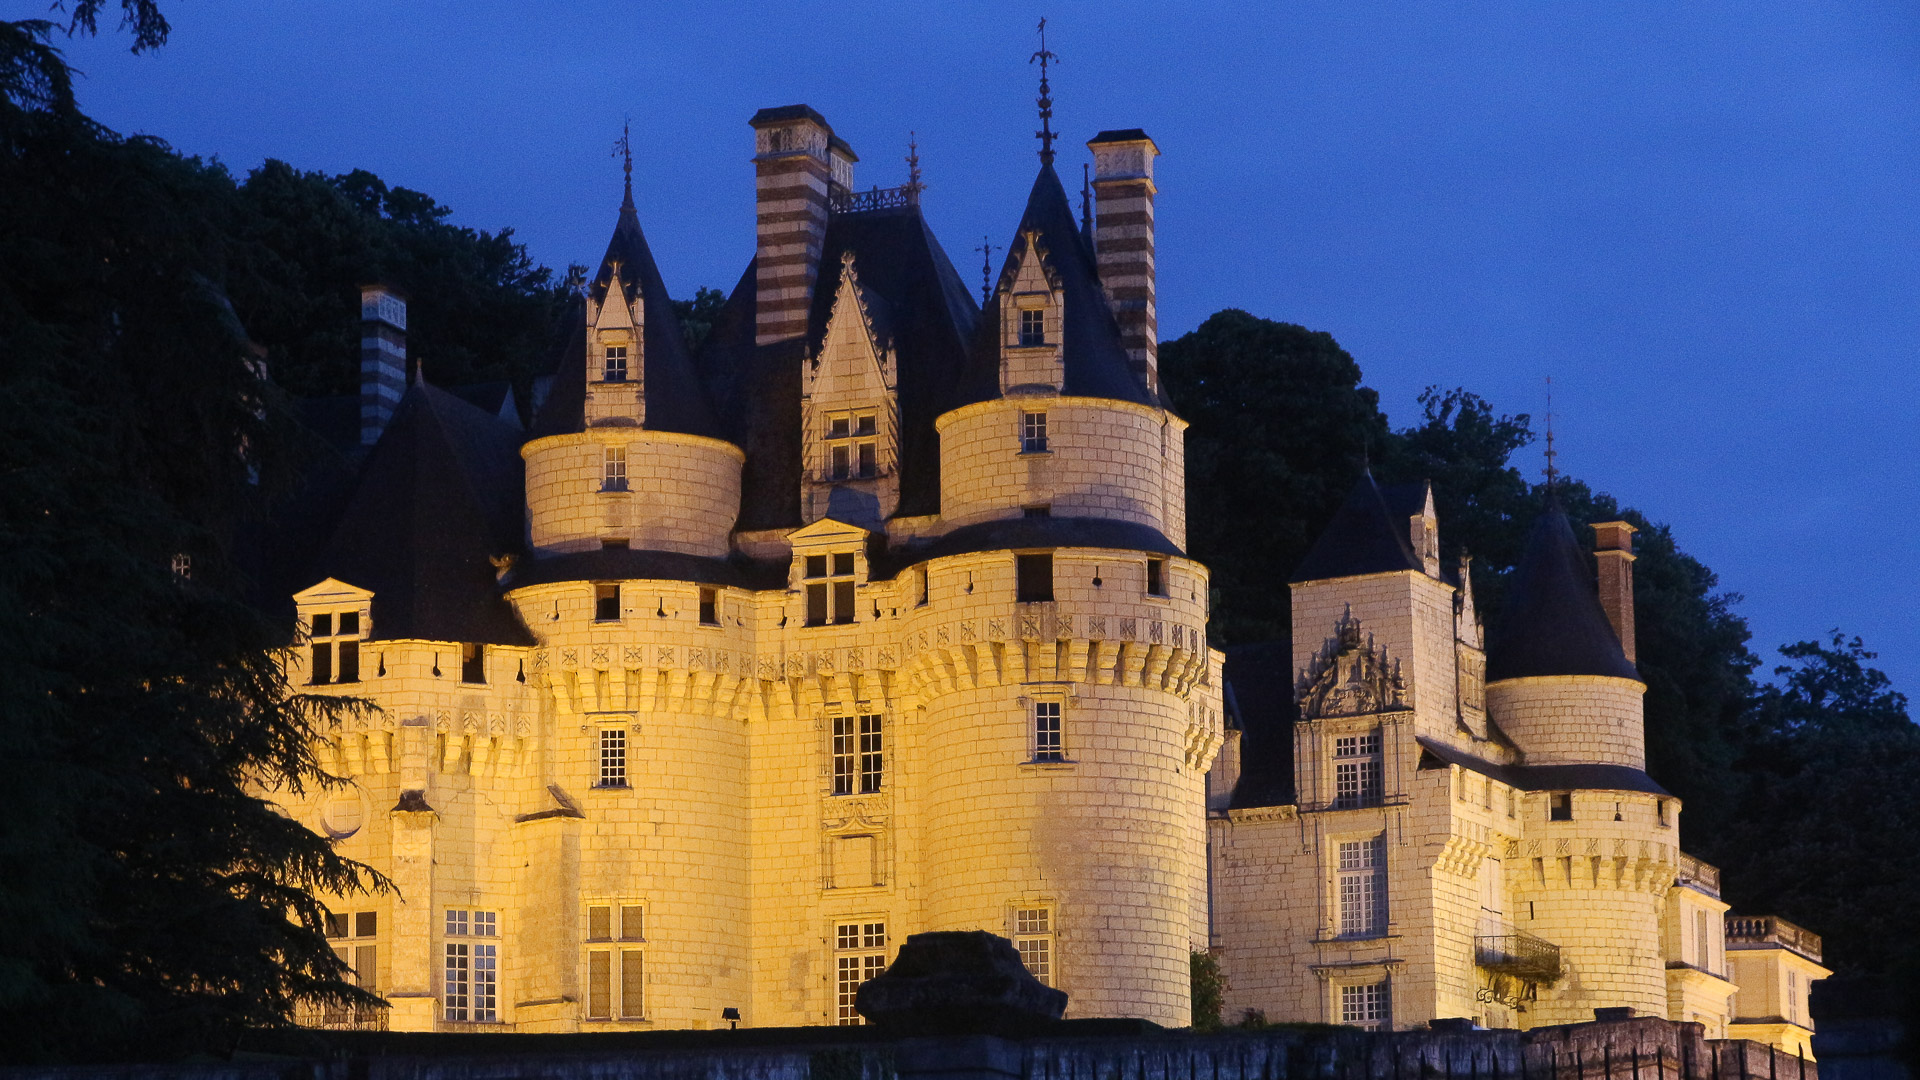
(986, 249)
(1045, 134)
(623, 148)
(914, 186)
(1553, 474)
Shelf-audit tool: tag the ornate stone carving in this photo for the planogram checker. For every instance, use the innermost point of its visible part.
(1350, 676)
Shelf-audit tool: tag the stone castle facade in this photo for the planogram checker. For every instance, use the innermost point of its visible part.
(733, 668)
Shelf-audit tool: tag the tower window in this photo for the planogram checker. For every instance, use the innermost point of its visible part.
(1033, 939)
(920, 576)
(616, 365)
(606, 603)
(1033, 327)
(1034, 578)
(1049, 743)
(1363, 893)
(473, 662)
(1156, 577)
(335, 648)
(613, 758)
(853, 446)
(1560, 806)
(471, 988)
(1356, 771)
(858, 755)
(709, 607)
(860, 953)
(1033, 433)
(613, 469)
(1364, 1006)
(830, 588)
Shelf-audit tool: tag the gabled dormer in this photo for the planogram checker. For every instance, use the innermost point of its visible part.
(1032, 306)
(850, 413)
(828, 571)
(616, 351)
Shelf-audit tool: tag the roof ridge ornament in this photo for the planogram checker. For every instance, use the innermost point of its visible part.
(623, 148)
(986, 249)
(913, 186)
(1045, 134)
(1553, 474)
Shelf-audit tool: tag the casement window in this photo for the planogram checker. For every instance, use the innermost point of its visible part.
(1156, 577)
(853, 446)
(615, 369)
(1702, 942)
(613, 757)
(606, 603)
(1048, 741)
(1356, 770)
(334, 644)
(1363, 887)
(709, 607)
(1033, 939)
(829, 588)
(858, 755)
(613, 468)
(859, 954)
(1365, 1005)
(355, 937)
(1033, 578)
(1033, 327)
(471, 987)
(616, 973)
(473, 662)
(1560, 806)
(1033, 433)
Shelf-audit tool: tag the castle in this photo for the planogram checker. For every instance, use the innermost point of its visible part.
(733, 668)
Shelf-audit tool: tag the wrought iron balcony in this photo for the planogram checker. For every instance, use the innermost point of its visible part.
(1518, 954)
(1759, 931)
(860, 202)
(343, 1017)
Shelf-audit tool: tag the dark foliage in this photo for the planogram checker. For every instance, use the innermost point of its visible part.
(153, 903)
(697, 316)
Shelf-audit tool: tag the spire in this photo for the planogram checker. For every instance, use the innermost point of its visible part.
(1553, 474)
(623, 148)
(986, 249)
(1045, 134)
(1086, 204)
(913, 187)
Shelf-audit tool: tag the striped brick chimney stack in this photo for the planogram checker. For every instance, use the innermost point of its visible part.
(1123, 241)
(383, 358)
(800, 166)
(1613, 543)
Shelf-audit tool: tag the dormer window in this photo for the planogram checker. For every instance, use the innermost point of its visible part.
(616, 365)
(829, 588)
(853, 446)
(335, 647)
(1033, 327)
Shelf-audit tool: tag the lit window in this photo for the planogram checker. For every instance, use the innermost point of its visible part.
(1048, 744)
(1033, 578)
(1364, 1006)
(606, 603)
(616, 366)
(334, 639)
(613, 472)
(1033, 433)
(613, 757)
(473, 662)
(858, 756)
(1033, 938)
(1033, 327)
(1363, 892)
(709, 607)
(830, 597)
(860, 953)
(472, 968)
(1356, 770)
(1156, 577)
(355, 940)
(183, 567)
(853, 447)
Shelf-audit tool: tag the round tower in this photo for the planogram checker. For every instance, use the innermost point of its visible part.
(1600, 839)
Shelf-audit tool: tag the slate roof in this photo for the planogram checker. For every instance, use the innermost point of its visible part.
(1366, 536)
(675, 399)
(439, 495)
(1014, 534)
(1554, 624)
(1543, 777)
(1260, 680)
(622, 564)
(1095, 363)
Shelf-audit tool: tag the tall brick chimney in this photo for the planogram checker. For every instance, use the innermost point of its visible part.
(383, 358)
(1123, 241)
(1613, 543)
(799, 167)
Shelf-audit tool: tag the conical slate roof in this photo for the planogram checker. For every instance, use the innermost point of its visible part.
(675, 400)
(1095, 363)
(439, 496)
(1364, 537)
(1554, 624)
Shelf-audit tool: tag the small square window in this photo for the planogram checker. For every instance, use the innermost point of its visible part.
(366, 924)
(1156, 577)
(864, 425)
(843, 563)
(606, 603)
(323, 625)
(1033, 327)
(816, 566)
(473, 662)
(1036, 511)
(349, 622)
(1560, 806)
(336, 924)
(709, 607)
(631, 925)
(837, 428)
(1035, 578)
(599, 923)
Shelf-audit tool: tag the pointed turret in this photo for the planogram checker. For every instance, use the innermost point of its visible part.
(1364, 537)
(1554, 624)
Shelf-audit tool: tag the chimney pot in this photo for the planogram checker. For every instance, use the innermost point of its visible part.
(799, 165)
(1613, 541)
(383, 358)
(1123, 245)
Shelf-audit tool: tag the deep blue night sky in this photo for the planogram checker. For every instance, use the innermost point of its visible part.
(1699, 219)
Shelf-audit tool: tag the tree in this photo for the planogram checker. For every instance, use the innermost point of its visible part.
(155, 903)
(697, 316)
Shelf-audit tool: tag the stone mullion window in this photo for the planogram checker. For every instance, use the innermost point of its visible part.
(860, 953)
(1357, 770)
(830, 588)
(334, 647)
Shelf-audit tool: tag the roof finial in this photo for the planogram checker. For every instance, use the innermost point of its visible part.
(623, 148)
(1086, 201)
(914, 186)
(1045, 134)
(986, 249)
(1553, 474)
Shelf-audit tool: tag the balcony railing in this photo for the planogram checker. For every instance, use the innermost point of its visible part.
(860, 202)
(1703, 875)
(1754, 930)
(343, 1017)
(1518, 954)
